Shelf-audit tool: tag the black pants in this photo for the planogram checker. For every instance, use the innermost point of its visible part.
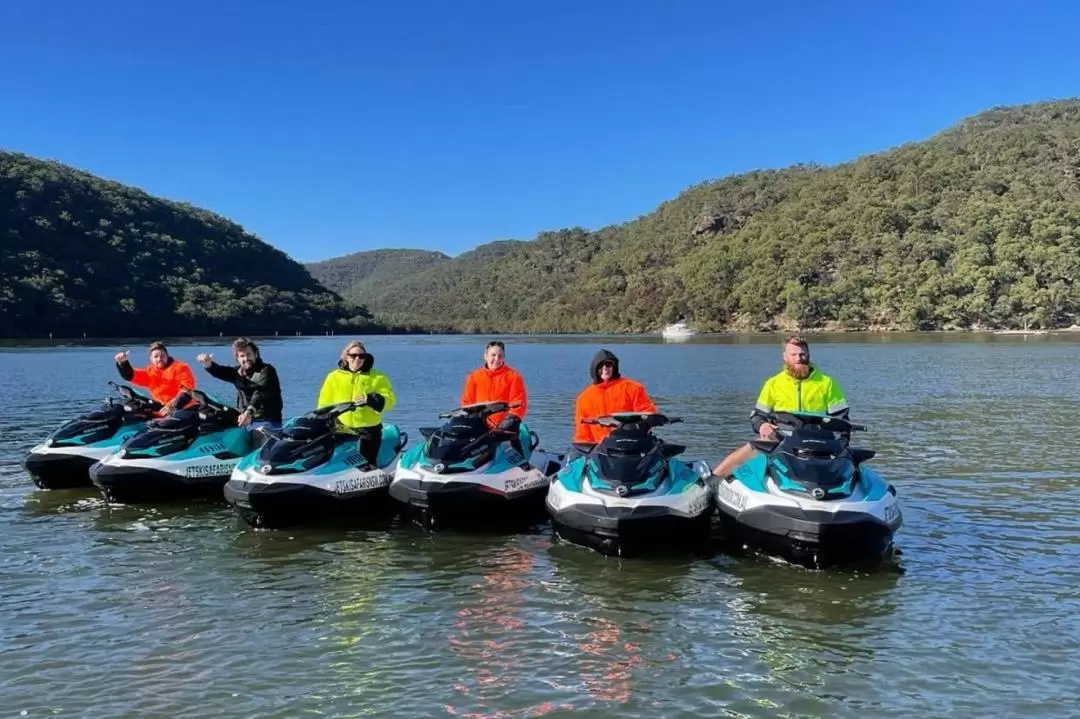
(369, 442)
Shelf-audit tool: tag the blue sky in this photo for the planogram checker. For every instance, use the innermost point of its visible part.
(331, 127)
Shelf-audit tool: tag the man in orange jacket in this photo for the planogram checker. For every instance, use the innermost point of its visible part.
(164, 376)
(610, 393)
(496, 381)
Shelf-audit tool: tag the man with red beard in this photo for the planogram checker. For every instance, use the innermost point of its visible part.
(798, 387)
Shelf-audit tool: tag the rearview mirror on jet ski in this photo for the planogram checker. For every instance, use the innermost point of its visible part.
(205, 400)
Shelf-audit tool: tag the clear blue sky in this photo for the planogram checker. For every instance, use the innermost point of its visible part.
(328, 127)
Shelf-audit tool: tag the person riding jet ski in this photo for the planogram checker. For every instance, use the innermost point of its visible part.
(497, 381)
(798, 387)
(258, 391)
(800, 490)
(189, 454)
(64, 459)
(165, 376)
(810, 498)
(610, 393)
(355, 381)
(632, 493)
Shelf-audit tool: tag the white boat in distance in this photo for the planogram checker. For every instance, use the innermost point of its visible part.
(679, 330)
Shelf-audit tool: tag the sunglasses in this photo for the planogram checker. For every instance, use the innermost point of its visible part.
(607, 364)
(354, 355)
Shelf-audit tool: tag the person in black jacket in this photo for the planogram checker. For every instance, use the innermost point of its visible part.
(258, 392)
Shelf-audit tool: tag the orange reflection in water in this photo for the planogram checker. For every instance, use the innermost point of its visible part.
(485, 640)
(608, 662)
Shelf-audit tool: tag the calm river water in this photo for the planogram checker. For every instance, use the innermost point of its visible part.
(182, 611)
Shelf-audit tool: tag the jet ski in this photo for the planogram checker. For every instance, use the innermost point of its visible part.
(312, 470)
(810, 498)
(631, 494)
(189, 454)
(63, 460)
(467, 474)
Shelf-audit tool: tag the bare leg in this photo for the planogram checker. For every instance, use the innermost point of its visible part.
(731, 462)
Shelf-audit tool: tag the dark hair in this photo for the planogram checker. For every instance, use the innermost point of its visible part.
(495, 343)
(243, 343)
(158, 346)
(798, 341)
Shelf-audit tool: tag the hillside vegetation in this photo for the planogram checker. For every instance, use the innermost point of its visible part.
(976, 227)
(79, 254)
(360, 273)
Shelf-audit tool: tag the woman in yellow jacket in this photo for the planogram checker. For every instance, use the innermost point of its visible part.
(354, 380)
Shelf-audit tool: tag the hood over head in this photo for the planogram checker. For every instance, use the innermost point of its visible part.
(598, 359)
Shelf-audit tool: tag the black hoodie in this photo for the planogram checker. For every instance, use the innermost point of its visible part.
(260, 391)
(598, 359)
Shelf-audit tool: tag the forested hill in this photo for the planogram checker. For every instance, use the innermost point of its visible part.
(360, 273)
(82, 254)
(975, 227)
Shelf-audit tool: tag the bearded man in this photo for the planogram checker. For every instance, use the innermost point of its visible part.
(798, 387)
(258, 391)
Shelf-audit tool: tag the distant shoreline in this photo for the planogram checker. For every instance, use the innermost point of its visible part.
(134, 339)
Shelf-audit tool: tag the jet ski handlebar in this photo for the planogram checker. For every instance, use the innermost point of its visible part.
(132, 397)
(649, 419)
(204, 400)
(796, 420)
(480, 408)
(334, 410)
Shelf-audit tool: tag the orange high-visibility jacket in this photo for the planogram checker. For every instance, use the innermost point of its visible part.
(164, 384)
(501, 385)
(618, 394)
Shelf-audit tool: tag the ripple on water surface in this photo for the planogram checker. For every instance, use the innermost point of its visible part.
(182, 611)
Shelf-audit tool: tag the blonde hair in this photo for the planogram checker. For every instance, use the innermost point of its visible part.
(351, 345)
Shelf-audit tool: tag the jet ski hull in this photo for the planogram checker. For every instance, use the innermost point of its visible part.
(65, 462)
(616, 531)
(443, 502)
(290, 482)
(136, 482)
(812, 539)
(289, 503)
(465, 476)
(811, 533)
(632, 526)
(52, 470)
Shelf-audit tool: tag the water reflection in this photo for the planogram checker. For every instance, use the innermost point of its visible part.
(487, 637)
(182, 610)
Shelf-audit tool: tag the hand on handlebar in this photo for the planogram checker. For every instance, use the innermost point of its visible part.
(767, 431)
